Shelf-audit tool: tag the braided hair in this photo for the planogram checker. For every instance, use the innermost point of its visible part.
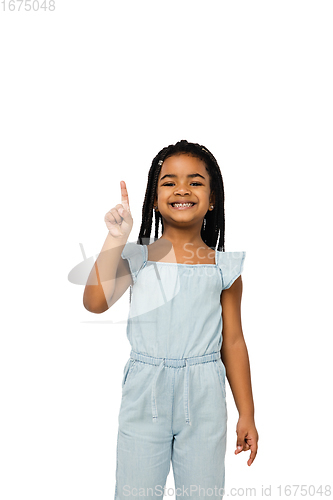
(214, 221)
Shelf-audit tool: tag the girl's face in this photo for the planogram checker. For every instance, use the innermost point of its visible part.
(183, 179)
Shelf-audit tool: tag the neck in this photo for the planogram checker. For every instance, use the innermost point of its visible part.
(180, 237)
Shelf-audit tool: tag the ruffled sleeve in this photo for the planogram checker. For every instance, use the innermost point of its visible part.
(231, 266)
(135, 256)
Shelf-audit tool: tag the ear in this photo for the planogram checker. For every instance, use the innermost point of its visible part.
(212, 198)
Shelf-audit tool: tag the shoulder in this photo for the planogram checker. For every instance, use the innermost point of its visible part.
(131, 249)
(231, 266)
(136, 256)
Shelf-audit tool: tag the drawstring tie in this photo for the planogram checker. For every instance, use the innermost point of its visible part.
(160, 363)
(153, 392)
(186, 392)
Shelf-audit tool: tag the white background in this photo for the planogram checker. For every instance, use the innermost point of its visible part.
(89, 94)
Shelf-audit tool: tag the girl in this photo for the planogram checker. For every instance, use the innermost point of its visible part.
(184, 327)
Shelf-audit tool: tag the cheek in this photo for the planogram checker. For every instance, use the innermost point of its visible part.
(204, 196)
(164, 195)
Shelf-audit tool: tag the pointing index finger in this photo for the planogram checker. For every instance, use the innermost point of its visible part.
(124, 196)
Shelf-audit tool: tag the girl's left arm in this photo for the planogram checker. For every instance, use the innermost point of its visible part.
(235, 358)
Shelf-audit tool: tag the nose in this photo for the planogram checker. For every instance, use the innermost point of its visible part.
(182, 190)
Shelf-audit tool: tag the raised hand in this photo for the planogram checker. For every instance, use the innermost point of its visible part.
(119, 219)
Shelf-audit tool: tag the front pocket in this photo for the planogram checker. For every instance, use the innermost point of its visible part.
(127, 371)
(221, 374)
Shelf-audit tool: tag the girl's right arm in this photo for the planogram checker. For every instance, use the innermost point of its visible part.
(111, 271)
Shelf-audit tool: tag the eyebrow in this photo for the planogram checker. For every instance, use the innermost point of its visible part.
(174, 175)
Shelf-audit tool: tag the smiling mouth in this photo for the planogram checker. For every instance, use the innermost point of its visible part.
(181, 206)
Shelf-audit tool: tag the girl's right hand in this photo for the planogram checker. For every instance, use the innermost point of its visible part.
(119, 219)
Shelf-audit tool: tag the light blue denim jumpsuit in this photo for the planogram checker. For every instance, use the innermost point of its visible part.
(173, 405)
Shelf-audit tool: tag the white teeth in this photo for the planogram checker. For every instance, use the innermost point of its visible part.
(182, 204)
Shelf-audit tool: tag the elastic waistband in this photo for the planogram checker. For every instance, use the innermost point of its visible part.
(176, 363)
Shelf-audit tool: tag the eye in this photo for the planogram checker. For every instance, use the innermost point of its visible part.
(169, 183)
